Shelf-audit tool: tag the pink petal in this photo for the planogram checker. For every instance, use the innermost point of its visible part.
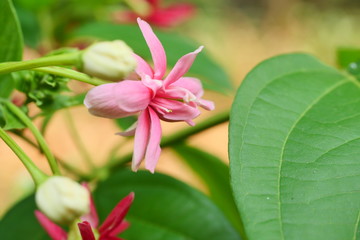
(116, 217)
(120, 228)
(92, 216)
(206, 104)
(171, 16)
(153, 149)
(153, 84)
(117, 100)
(177, 93)
(128, 132)
(172, 110)
(192, 84)
(141, 139)
(190, 122)
(110, 238)
(54, 231)
(156, 49)
(86, 231)
(181, 67)
(143, 68)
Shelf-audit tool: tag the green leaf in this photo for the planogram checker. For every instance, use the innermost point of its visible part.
(126, 122)
(34, 5)
(164, 208)
(10, 43)
(347, 55)
(294, 151)
(8, 120)
(30, 26)
(215, 175)
(20, 222)
(210, 73)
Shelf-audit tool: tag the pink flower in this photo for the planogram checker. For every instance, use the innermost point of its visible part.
(112, 226)
(158, 15)
(176, 98)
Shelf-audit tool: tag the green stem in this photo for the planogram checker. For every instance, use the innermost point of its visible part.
(39, 138)
(55, 60)
(78, 141)
(172, 139)
(188, 132)
(37, 175)
(72, 74)
(70, 168)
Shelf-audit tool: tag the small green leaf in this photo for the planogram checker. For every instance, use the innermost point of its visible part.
(8, 120)
(163, 209)
(11, 43)
(294, 151)
(215, 174)
(347, 55)
(210, 73)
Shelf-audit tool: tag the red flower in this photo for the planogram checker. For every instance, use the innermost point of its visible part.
(158, 15)
(111, 227)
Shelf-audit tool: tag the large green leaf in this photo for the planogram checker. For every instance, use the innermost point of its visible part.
(20, 222)
(215, 175)
(10, 43)
(294, 151)
(211, 74)
(164, 208)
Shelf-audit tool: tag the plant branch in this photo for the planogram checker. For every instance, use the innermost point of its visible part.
(72, 74)
(63, 164)
(55, 60)
(172, 139)
(78, 141)
(39, 138)
(37, 175)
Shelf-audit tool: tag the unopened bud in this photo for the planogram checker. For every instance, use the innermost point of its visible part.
(62, 200)
(109, 60)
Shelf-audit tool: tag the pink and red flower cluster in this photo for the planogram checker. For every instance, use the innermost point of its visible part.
(113, 225)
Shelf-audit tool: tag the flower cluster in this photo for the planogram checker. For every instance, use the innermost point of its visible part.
(173, 98)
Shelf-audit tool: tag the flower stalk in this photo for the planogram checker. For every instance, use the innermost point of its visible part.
(37, 175)
(72, 74)
(39, 138)
(167, 141)
(73, 58)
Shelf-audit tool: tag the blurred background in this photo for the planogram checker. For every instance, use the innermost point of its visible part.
(237, 34)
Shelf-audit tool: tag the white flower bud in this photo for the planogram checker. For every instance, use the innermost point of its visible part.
(109, 60)
(62, 200)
